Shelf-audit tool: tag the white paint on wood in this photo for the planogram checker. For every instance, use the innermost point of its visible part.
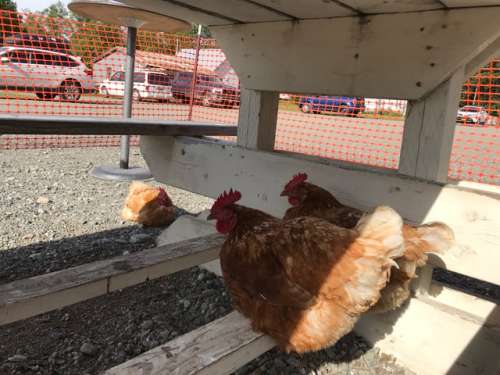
(175, 10)
(187, 227)
(304, 9)
(429, 128)
(301, 9)
(390, 6)
(466, 3)
(477, 308)
(434, 341)
(257, 121)
(208, 167)
(241, 10)
(390, 56)
(28, 297)
(218, 348)
(483, 58)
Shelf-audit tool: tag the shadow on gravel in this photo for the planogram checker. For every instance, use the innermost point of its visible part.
(43, 257)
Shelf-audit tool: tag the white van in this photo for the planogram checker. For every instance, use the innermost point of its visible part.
(147, 85)
(47, 73)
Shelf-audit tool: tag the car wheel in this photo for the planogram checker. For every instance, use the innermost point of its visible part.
(70, 91)
(104, 91)
(306, 108)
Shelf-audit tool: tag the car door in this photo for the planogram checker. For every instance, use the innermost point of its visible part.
(117, 84)
(15, 70)
(46, 70)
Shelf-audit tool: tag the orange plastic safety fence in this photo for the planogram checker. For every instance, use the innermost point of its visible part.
(65, 67)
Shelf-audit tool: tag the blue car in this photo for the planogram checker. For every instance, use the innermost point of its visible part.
(333, 104)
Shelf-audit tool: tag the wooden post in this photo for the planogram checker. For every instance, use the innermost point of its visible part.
(257, 119)
(429, 128)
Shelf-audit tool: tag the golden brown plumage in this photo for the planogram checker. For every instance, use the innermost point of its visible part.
(311, 200)
(305, 281)
(148, 205)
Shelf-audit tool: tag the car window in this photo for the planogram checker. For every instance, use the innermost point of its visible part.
(19, 56)
(139, 77)
(471, 109)
(68, 61)
(184, 77)
(158, 79)
(40, 58)
(118, 76)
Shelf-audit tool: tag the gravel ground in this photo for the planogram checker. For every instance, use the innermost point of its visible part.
(56, 216)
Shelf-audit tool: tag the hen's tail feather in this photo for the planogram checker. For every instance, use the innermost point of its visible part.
(439, 237)
(383, 225)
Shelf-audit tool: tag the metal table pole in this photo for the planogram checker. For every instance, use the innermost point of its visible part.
(128, 94)
(124, 172)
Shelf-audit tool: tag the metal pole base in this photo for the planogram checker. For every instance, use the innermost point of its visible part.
(108, 172)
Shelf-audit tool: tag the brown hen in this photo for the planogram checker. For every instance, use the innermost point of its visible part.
(311, 200)
(305, 281)
(148, 205)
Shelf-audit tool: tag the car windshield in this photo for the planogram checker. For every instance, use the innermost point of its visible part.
(471, 109)
(158, 79)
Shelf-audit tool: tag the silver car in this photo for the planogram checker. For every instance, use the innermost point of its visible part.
(472, 114)
(47, 73)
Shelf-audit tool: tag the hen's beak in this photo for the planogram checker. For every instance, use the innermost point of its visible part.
(210, 217)
(284, 193)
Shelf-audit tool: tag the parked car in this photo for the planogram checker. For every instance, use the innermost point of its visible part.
(147, 85)
(472, 114)
(47, 73)
(209, 90)
(334, 104)
(45, 42)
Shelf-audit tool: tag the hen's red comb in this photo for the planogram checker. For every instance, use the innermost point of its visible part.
(163, 197)
(225, 199)
(295, 181)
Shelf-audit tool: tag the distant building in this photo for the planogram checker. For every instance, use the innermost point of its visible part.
(114, 60)
(215, 60)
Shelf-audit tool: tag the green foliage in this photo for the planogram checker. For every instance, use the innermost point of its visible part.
(484, 89)
(8, 5)
(10, 20)
(91, 40)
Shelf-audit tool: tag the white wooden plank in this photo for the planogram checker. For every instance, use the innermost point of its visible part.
(479, 309)
(185, 228)
(175, 10)
(218, 348)
(28, 297)
(483, 58)
(429, 128)
(391, 56)
(468, 3)
(434, 341)
(241, 10)
(390, 6)
(208, 168)
(304, 9)
(258, 118)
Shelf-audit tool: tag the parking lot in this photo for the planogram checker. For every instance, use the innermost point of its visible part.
(476, 149)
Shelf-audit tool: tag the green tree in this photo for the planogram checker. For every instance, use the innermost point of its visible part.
(91, 39)
(56, 10)
(8, 5)
(10, 20)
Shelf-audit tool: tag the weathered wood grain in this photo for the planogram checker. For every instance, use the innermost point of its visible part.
(218, 348)
(11, 124)
(28, 297)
